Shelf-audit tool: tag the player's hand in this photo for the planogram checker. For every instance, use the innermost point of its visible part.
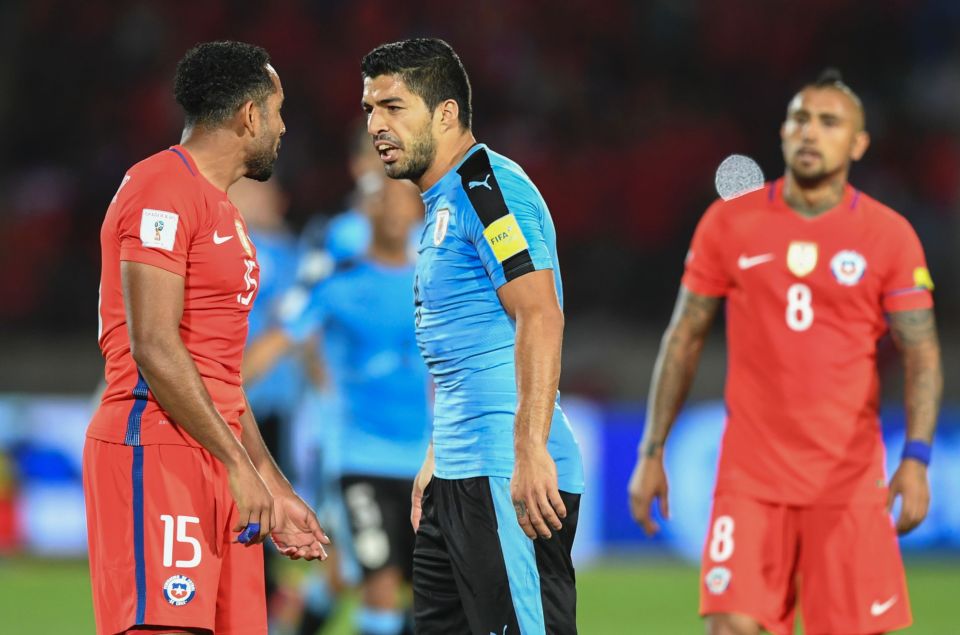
(909, 482)
(253, 499)
(535, 492)
(648, 481)
(298, 533)
(419, 485)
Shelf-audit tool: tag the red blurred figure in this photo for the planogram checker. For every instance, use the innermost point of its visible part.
(812, 270)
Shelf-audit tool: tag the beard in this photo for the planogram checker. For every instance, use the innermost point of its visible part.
(260, 164)
(810, 178)
(417, 158)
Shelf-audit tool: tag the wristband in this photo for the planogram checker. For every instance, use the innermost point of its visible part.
(917, 450)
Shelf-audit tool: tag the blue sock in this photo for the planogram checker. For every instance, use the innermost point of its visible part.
(374, 622)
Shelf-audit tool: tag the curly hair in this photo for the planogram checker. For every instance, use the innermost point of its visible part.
(215, 78)
(429, 67)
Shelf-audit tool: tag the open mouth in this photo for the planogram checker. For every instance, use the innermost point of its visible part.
(388, 152)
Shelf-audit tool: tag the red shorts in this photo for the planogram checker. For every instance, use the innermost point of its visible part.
(843, 563)
(162, 549)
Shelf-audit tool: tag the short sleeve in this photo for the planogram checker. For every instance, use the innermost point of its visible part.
(705, 272)
(507, 223)
(907, 284)
(301, 311)
(154, 226)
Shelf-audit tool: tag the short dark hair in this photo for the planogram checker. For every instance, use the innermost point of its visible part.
(215, 78)
(831, 77)
(429, 67)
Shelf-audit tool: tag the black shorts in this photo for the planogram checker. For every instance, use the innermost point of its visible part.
(378, 510)
(475, 571)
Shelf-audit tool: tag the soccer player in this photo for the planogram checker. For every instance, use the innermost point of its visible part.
(363, 314)
(496, 502)
(275, 396)
(814, 272)
(173, 463)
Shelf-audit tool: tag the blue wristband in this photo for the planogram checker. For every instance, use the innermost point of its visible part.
(917, 450)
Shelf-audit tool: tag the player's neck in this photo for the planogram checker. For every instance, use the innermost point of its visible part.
(390, 255)
(216, 157)
(813, 199)
(449, 154)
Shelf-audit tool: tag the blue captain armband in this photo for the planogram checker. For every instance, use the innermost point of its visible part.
(917, 450)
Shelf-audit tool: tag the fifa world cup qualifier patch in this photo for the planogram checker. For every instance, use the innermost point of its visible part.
(179, 590)
(158, 228)
(505, 238)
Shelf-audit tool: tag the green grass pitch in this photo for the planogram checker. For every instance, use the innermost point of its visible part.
(651, 597)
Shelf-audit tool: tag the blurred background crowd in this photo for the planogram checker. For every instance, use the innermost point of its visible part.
(619, 110)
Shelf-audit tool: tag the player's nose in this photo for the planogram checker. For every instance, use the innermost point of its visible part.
(375, 123)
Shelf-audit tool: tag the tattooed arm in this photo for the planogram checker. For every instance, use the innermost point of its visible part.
(915, 334)
(673, 374)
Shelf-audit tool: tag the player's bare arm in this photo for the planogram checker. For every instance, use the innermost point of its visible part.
(673, 374)
(531, 300)
(915, 334)
(296, 530)
(263, 354)
(419, 485)
(154, 306)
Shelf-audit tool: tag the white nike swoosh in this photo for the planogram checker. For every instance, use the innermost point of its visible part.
(745, 262)
(879, 608)
(220, 239)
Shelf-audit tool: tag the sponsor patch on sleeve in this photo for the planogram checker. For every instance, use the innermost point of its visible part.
(505, 238)
(158, 228)
(922, 279)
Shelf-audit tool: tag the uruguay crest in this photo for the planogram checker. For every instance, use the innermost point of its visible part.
(179, 589)
(440, 226)
(848, 267)
(801, 257)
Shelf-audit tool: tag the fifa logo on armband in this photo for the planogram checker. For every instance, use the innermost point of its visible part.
(158, 229)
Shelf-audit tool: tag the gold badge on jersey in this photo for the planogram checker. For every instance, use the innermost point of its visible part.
(242, 235)
(801, 258)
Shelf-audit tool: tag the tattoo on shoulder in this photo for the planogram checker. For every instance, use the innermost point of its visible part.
(913, 327)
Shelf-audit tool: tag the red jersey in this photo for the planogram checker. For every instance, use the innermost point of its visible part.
(806, 299)
(167, 215)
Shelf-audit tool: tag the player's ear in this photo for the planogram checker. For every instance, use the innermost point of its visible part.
(861, 141)
(449, 111)
(249, 116)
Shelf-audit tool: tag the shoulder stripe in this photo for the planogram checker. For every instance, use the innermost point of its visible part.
(184, 159)
(856, 199)
(481, 186)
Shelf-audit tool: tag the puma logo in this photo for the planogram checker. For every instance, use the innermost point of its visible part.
(473, 184)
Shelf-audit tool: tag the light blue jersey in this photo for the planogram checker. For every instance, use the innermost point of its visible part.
(279, 390)
(485, 224)
(365, 312)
